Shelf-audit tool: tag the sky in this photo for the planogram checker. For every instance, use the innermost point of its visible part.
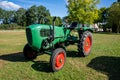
(56, 7)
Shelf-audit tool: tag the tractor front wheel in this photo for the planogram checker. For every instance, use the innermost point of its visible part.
(85, 43)
(29, 53)
(57, 59)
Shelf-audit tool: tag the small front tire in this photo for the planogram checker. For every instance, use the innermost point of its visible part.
(57, 59)
(29, 53)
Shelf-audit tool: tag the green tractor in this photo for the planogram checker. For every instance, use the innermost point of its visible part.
(53, 40)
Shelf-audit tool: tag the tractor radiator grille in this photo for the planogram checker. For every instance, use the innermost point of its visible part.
(45, 32)
(29, 36)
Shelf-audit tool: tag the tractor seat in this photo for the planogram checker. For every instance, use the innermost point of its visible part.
(73, 25)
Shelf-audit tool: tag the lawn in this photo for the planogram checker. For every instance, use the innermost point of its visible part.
(102, 64)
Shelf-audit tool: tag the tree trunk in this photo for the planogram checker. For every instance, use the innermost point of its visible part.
(114, 28)
(118, 27)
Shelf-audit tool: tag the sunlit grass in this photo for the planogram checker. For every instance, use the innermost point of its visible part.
(101, 64)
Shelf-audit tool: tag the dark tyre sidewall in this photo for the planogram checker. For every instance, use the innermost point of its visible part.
(87, 34)
(81, 44)
(53, 59)
(29, 53)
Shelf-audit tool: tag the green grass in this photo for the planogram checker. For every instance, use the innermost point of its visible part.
(102, 64)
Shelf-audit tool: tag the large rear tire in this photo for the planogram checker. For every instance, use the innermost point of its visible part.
(57, 59)
(85, 43)
(29, 53)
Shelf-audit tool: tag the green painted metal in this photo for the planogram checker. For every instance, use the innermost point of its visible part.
(37, 37)
(37, 33)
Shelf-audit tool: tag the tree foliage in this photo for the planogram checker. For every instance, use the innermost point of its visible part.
(8, 16)
(114, 15)
(102, 13)
(23, 17)
(31, 15)
(83, 11)
(19, 17)
(43, 13)
(1, 13)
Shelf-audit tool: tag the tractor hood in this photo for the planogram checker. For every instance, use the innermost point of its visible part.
(35, 35)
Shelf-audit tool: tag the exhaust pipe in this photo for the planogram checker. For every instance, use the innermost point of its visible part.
(53, 24)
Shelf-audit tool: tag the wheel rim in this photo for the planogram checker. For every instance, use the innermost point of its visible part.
(59, 61)
(87, 44)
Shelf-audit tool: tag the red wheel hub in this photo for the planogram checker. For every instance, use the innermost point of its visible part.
(59, 61)
(87, 44)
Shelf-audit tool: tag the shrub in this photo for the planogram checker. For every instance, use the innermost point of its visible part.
(10, 26)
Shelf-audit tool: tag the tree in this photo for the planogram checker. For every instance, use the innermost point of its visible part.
(23, 17)
(114, 16)
(102, 13)
(31, 15)
(58, 21)
(1, 13)
(37, 15)
(82, 11)
(19, 17)
(43, 13)
(24, 20)
(8, 17)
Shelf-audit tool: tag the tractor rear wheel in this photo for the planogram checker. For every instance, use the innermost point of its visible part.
(85, 43)
(29, 53)
(57, 59)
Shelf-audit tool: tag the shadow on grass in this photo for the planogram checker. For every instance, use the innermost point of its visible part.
(72, 54)
(43, 66)
(14, 57)
(107, 65)
(19, 57)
